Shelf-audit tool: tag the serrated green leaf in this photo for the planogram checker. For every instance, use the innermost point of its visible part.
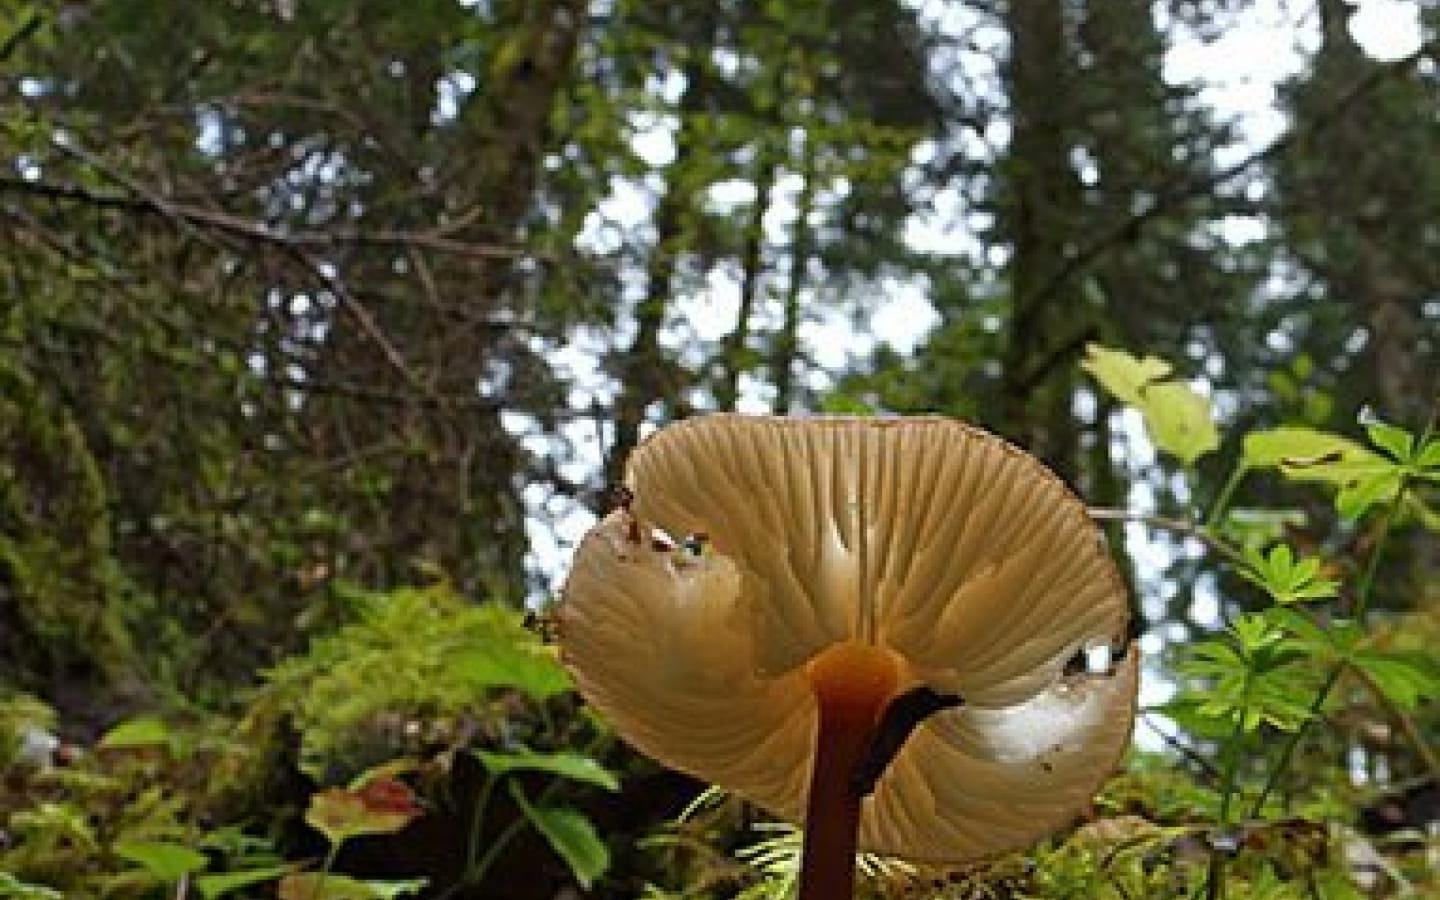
(162, 859)
(565, 764)
(570, 835)
(1179, 420)
(219, 884)
(1286, 578)
(1397, 442)
(1121, 373)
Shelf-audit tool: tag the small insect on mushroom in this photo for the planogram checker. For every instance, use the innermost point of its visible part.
(878, 628)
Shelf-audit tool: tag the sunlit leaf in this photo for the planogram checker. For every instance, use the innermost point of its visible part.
(1309, 454)
(143, 731)
(1363, 476)
(1179, 420)
(1121, 373)
(165, 860)
(531, 669)
(391, 888)
(1288, 579)
(1429, 457)
(1359, 494)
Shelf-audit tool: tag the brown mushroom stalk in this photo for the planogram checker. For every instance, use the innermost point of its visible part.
(853, 683)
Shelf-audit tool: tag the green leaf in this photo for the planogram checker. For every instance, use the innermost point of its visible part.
(1363, 476)
(1188, 712)
(320, 886)
(329, 886)
(841, 404)
(1179, 420)
(164, 860)
(1312, 634)
(1177, 417)
(1397, 442)
(15, 889)
(217, 885)
(143, 731)
(1359, 494)
(570, 835)
(1122, 374)
(530, 669)
(1429, 457)
(566, 764)
(1286, 578)
(1308, 454)
(1406, 678)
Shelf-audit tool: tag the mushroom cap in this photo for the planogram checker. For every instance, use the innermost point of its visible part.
(751, 544)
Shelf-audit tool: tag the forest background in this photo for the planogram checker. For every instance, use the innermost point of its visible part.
(325, 324)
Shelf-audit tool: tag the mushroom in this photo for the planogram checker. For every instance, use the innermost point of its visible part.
(877, 627)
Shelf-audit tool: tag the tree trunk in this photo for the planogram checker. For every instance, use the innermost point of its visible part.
(1040, 213)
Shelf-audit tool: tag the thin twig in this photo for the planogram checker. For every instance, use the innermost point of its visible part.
(141, 200)
(1179, 526)
(1212, 774)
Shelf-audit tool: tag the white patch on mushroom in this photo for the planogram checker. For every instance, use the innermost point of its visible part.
(1054, 722)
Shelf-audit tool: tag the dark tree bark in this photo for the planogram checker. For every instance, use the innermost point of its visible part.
(1040, 211)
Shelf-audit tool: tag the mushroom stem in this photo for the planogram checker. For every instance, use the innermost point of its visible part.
(853, 682)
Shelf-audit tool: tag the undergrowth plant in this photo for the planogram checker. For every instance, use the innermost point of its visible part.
(357, 738)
